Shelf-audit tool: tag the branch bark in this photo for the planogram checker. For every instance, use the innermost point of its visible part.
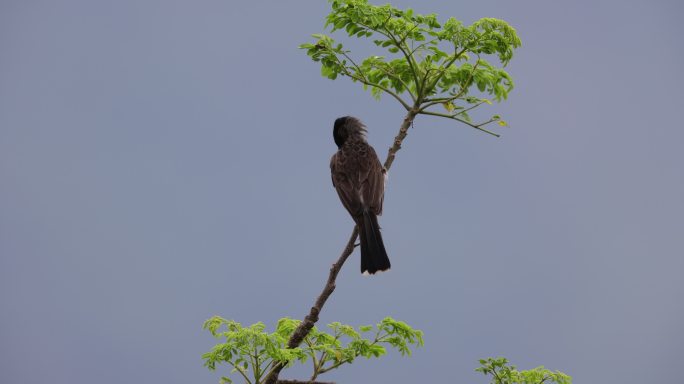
(305, 326)
(403, 131)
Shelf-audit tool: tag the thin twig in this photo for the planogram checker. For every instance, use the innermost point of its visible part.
(452, 117)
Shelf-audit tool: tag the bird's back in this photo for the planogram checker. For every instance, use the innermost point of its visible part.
(358, 177)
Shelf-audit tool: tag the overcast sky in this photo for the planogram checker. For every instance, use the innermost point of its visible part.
(165, 161)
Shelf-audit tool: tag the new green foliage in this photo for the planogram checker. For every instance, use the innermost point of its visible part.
(503, 373)
(252, 352)
(434, 64)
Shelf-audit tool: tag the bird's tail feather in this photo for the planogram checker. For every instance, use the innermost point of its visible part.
(373, 255)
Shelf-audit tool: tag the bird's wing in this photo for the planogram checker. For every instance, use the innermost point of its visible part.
(343, 181)
(373, 185)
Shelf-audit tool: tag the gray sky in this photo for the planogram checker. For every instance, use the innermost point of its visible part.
(165, 161)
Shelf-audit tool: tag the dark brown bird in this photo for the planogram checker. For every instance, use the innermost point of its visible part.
(359, 178)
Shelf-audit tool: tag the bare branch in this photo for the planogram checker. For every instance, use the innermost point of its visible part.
(403, 131)
(240, 372)
(470, 108)
(303, 382)
(305, 326)
(452, 117)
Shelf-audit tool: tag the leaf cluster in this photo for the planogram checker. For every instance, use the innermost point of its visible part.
(344, 344)
(252, 352)
(433, 63)
(504, 373)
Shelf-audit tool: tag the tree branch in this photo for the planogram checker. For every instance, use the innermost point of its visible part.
(240, 372)
(452, 117)
(410, 59)
(305, 326)
(403, 131)
(330, 368)
(303, 382)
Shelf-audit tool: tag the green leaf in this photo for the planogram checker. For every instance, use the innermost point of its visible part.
(328, 72)
(376, 350)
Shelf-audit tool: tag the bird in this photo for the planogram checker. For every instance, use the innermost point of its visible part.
(359, 179)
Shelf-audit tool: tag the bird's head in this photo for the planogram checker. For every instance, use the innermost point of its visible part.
(346, 127)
